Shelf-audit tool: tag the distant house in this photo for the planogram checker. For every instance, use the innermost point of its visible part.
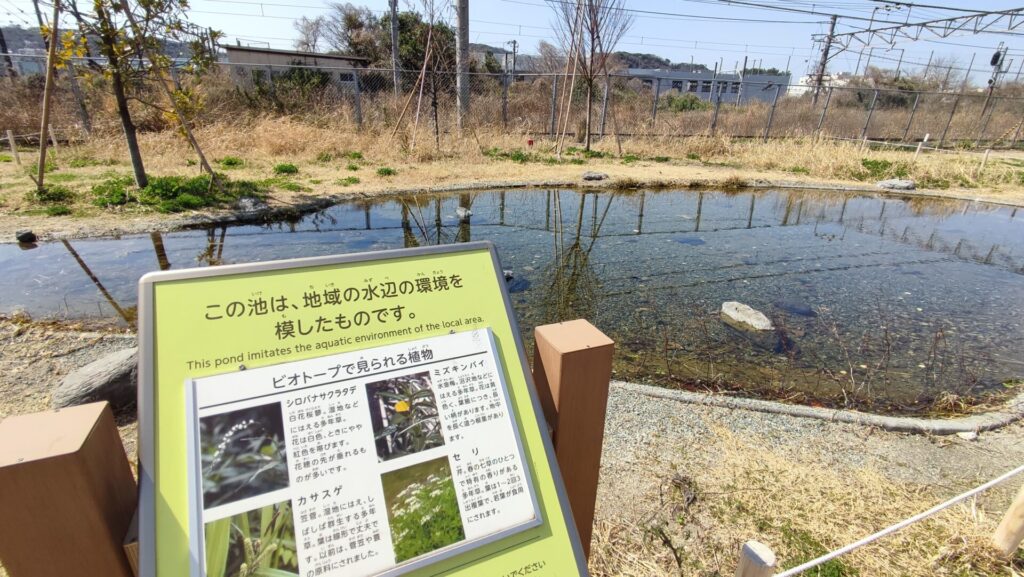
(249, 64)
(707, 85)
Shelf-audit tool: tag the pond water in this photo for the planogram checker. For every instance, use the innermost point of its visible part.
(878, 302)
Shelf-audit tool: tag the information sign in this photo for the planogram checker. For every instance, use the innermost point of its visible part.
(358, 415)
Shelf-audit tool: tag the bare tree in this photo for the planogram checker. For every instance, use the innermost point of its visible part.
(311, 33)
(588, 31)
(550, 59)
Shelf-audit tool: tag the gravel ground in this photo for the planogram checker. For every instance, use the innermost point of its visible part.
(647, 439)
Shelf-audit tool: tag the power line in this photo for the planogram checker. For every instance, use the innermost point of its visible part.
(675, 15)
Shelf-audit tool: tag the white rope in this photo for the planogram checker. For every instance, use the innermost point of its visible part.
(902, 524)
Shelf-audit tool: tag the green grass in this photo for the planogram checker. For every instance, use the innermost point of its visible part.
(58, 210)
(231, 162)
(630, 158)
(113, 192)
(285, 168)
(325, 156)
(51, 194)
(348, 181)
(352, 166)
(799, 170)
(354, 155)
(692, 156)
(386, 171)
(180, 193)
(664, 158)
(86, 161)
(879, 169)
(6, 158)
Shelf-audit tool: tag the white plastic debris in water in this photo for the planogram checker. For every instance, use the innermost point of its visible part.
(463, 212)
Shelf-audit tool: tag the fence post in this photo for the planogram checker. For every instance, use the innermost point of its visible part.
(756, 560)
(824, 111)
(986, 119)
(942, 139)
(771, 114)
(1011, 529)
(358, 98)
(654, 104)
(604, 104)
(984, 160)
(1016, 133)
(14, 147)
(714, 115)
(910, 120)
(867, 121)
(572, 366)
(504, 100)
(554, 103)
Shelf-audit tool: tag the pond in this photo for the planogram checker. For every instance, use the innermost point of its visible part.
(879, 302)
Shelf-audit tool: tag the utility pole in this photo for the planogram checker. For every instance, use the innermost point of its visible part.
(462, 60)
(820, 74)
(515, 47)
(394, 46)
(8, 64)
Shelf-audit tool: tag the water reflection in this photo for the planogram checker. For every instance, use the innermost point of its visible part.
(876, 300)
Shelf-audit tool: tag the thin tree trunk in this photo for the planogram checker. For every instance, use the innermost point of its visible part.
(51, 53)
(590, 111)
(130, 135)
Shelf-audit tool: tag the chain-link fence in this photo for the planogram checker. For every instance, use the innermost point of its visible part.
(548, 104)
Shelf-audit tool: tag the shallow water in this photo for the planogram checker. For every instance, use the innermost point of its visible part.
(884, 302)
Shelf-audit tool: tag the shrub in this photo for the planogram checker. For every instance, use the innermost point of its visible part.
(683, 103)
(352, 166)
(348, 181)
(286, 168)
(386, 171)
(52, 193)
(112, 192)
(662, 159)
(630, 158)
(354, 155)
(58, 210)
(231, 162)
(325, 156)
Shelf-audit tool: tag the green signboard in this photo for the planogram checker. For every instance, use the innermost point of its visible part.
(365, 414)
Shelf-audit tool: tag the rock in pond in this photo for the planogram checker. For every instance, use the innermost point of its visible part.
(594, 175)
(742, 316)
(896, 184)
(111, 378)
(25, 236)
(796, 308)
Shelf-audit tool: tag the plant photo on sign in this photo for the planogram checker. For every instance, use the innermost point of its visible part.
(257, 543)
(243, 454)
(422, 508)
(403, 411)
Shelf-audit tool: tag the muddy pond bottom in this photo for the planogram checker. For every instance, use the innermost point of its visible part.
(884, 303)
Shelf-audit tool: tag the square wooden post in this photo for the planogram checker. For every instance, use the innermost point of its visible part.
(572, 366)
(67, 494)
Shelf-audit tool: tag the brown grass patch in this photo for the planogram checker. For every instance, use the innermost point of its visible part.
(801, 508)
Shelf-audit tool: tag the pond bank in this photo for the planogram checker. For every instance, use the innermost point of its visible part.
(284, 204)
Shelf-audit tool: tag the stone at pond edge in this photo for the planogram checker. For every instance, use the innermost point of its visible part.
(744, 317)
(896, 184)
(592, 175)
(111, 378)
(25, 236)
(968, 435)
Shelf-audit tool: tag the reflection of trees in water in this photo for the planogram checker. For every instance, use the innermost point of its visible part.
(419, 230)
(572, 285)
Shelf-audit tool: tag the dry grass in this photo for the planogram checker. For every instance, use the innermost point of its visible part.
(801, 508)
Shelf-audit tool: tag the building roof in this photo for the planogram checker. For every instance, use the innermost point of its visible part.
(231, 48)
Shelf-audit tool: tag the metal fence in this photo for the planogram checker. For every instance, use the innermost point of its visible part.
(548, 104)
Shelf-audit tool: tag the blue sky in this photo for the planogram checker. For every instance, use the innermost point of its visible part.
(703, 30)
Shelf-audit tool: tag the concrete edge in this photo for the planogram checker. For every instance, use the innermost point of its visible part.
(1011, 412)
(227, 217)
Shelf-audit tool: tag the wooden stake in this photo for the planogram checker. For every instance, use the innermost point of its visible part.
(756, 560)
(44, 124)
(14, 147)
(53, 138)
(1010, 532)
(572, 369)
(920, 145)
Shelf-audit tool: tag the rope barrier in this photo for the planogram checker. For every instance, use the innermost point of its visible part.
(898, 526)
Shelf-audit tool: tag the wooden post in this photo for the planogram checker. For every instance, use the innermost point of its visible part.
(920, 145)
(358, 102)
(14, 147)
(771, 114)
(1010, 532)
(53, 138)
(67, 494)
(654, 103)
(756, 560)
(572, 365)
(984, 160)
